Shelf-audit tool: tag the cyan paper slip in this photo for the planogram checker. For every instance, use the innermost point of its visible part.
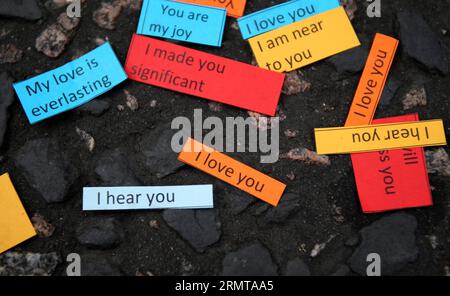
(148, 197)
(182, 21)
(282, 14)
(71, 85)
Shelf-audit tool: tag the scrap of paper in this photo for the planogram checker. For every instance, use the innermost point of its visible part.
(281, 15)
(204, 75)
(148, 197)
(235, 8)
(392, 179)
(304, 42)
(231, 171)
(15, 226)
(71, 85)
(372, 80)
(388, 136)
(182, 21)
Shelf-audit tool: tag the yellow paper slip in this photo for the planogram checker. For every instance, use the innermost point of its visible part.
(302, 43)
(340, 140)
(15, 226)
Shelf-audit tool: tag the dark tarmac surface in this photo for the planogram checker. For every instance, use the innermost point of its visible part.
(321, 211)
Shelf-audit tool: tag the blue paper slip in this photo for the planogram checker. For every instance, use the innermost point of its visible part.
(281, 15)
(148, 197)
(70, 85)
(182, 21)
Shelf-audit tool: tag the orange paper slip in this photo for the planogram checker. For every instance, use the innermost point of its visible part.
(231, 171)
(372, 81)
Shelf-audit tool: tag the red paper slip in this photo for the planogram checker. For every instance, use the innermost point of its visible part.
(204, 75)
(391, 180)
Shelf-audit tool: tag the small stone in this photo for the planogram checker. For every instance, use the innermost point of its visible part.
(288, 205)
(297, 267)
(294, 84)
(263, 122)
(28, 264)
(291, 133)
(338, 216)
(100, 233)
(438, 162)
(186, 266)
(421, 43)
(302, 248)
(53, 40)
(99, 41)
(28, 9)
(307, 156)
(350, 7)
(433, 241)
(6, 99)
(86, 138)
(320, 247)
(135, 4)
(113, 169)
(216, 107)
(154, 224)
(47, 169)
(201, 228)
(254, 260)
(317, 249)
(95, 107)
(281, 115)
(132, 102)
(235, 26)
(4, 32)
(155, 154)
(290, 176)
(147, 273)
(120, 107)
(353, 60)
(415, 97)
(106, 16)
(393, 238)
(42, 227)
(68, 23)
(95, 264)
(10, 54)
(153, 103)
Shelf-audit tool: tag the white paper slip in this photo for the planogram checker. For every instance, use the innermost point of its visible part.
(148, 197)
